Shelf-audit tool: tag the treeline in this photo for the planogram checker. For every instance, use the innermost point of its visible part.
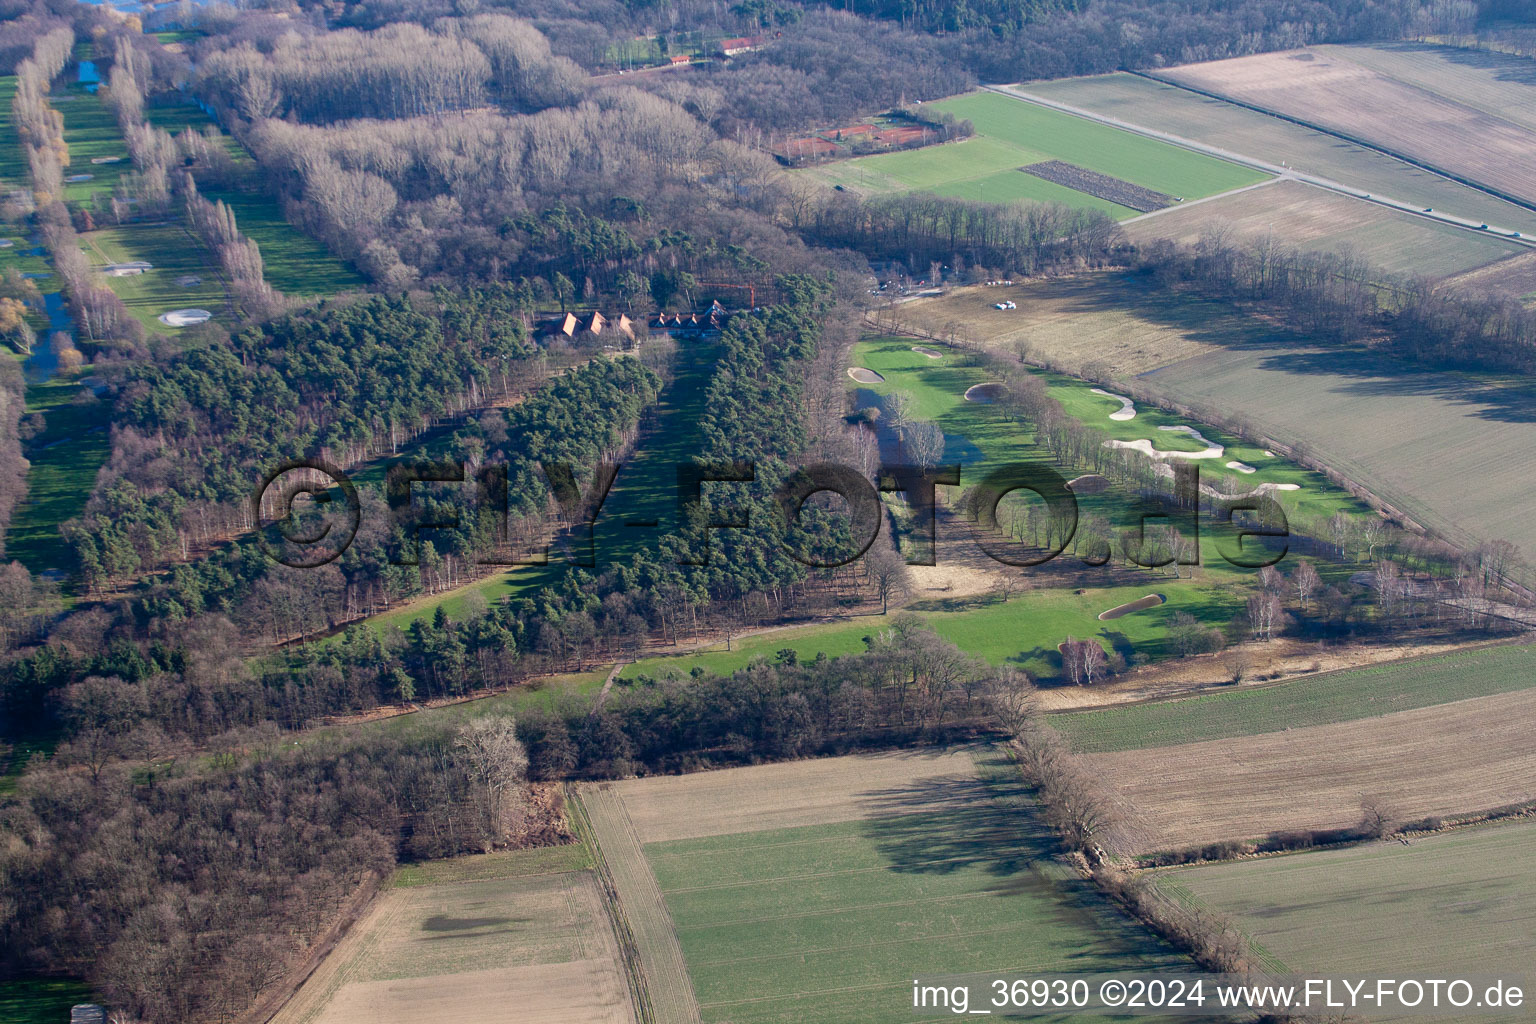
(397, 71)
(39, 127)
(181, 892)
(921, 228)
(13, 461)
(1342, 298)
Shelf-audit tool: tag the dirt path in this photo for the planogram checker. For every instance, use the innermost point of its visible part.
(1278, 171)
(666, 981)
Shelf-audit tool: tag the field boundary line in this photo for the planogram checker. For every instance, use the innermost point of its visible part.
(623, 935)
(1288, 173)
(1355, 140)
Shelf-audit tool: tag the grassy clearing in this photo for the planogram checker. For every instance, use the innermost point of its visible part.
(14, 172)
(1238, 130)
(176, 256)
(1449, 903)
(64, 458)
(1344, 696)
(91, 132)
(1012, 134)
(40, 1000)
(485, 867)
(295, 264)
(829, 922)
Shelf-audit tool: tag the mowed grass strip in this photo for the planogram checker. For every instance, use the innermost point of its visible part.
(90, 131)
(64, 460)
(14, 172)
(293, 263)
(1455, 902)
(831, 922)
(175, 255)
(1322, 699)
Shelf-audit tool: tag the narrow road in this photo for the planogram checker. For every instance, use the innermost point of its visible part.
(1278, 170)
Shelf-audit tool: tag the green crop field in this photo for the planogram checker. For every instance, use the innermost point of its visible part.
(64, 460)
(1168, 108)
(1451, 904)
(830, 921)
(175, 256)
(1324, 699)
(1013, 133)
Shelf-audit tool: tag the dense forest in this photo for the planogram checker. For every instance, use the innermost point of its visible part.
(185, 832)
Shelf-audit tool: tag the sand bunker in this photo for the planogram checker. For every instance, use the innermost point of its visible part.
(189, 281)
(1089, 483)
(129, 269)
(983, 392)
(864, 376)
(1241, 467)
(930, 353)
(1127, 410)
(1212, 449)
(185, 317)
(1268, 454)
(80, 177)
(106, 159)
(6, 243)
(1150, 601)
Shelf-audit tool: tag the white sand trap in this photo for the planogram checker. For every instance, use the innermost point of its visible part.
(189, 281)
(128, 269)
(864, 376)
(1163, 469)
(930, 353)
(983, 392)
(1127, 410)
(1144, 446)
(1268, 454)
(1089, 483)
(185, 317)
(80, 177)
(1150, 601)
(106, 159)
(6, 243)
(1241, 467)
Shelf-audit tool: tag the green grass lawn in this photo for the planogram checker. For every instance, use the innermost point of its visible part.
(64, 458)
(1444, 906)
(14, 172)
(1023, 632)
(1013, 133)
(1323, 699)
(294, 263)
(91, 132)
(40, 1000)
(829, 923)
(176, 255)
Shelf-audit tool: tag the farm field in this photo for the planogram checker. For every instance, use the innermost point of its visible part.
(1327, 89)
(1167, 108)
(176, 256)
(1448, 759)
(1452, 450)
(1304, 217)
(1425, 441)
(1449, 904)
(64, 460)
(1497, 83)
(1515, 276)
(1011, 134)
(526, 929)
(887, 867)
(1323, 699)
